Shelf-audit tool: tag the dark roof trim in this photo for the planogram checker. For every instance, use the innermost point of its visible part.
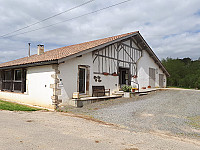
(150, 51)
(31, 65)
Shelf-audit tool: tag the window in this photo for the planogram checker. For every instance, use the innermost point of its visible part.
(18, 75)
(13, 80)
(7, 75)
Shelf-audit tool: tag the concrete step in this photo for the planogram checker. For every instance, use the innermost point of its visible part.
(83, 96)
(120, 93)
(143, 93)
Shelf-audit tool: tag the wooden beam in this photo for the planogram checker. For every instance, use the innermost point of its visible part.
(115, 59)
(131, 46)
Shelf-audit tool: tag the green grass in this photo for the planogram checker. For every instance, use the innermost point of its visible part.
(195, 121)
(4, 105)
(180, 87)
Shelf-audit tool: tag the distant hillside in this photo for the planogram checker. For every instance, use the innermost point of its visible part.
(184, 72)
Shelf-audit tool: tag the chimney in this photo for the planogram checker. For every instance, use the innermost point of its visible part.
(40, 49)
(29, 49)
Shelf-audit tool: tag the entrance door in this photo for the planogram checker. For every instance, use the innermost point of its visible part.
(124, 77)
(161, 77)
(82, 80)
(152, 77)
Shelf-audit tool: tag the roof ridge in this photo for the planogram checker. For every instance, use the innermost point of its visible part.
(95, 40)
(62, 52)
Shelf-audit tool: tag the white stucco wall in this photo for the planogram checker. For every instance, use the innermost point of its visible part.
(69, 76)
(38, 91)
(143, 65)
(69, 73)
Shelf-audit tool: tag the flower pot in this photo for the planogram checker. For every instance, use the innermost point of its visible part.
(127, 94)
(105, 73)
(143, 87)
(149, 86)
(134, 76)
(114, 74)
(133, 90)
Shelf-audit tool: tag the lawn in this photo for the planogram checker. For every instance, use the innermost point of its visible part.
(4, 105)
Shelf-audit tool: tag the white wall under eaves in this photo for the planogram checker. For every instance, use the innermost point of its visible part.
(143, 65)
(38, 91)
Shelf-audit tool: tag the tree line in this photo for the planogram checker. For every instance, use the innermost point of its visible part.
(183, 72)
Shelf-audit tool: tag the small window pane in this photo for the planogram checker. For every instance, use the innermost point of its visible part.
(7, 75)
(7, 85)
(17, 86)
(18, 74)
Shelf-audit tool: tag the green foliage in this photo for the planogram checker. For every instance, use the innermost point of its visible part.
(15, 107)
(183, 72)
(126, 88)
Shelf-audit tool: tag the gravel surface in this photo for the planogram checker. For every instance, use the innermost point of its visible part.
(170, 112)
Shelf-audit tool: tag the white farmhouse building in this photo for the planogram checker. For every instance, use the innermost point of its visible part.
(50, 78)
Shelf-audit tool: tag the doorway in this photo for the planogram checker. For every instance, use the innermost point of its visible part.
(152, 77)
(161, 80)
(124, 76)
(82, 80)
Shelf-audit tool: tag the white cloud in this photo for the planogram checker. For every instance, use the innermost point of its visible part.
(171, 27)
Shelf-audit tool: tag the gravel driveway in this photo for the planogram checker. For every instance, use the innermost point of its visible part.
(172, 112)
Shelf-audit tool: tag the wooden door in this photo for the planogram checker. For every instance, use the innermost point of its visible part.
(161, 80)
(152, 77)
(82, 80)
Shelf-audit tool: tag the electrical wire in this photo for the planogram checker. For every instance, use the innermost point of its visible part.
(47, 18)
(71, 18)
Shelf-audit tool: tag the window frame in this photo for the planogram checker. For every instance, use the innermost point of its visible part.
(13, 82)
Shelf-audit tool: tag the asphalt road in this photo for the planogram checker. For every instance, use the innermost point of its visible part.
(53, 130)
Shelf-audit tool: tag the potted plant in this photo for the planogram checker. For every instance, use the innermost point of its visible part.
(134, 88)
(127, 90)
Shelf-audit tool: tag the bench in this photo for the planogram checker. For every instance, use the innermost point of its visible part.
(98, 91)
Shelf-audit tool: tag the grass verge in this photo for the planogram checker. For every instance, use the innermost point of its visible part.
(195, 121)
(4, 105)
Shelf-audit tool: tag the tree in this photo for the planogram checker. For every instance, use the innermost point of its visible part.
(184, 72)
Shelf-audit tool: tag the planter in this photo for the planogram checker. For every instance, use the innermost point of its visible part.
(105, 73)
(127, 94)
(134, 89)
(135, 76)
(114, 74)
(149, 86)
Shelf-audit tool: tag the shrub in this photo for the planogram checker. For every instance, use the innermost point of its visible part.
(126, 88)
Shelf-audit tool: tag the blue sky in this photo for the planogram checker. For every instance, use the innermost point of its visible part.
(170, 27)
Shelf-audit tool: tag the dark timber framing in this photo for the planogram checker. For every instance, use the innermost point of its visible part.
(120, 54)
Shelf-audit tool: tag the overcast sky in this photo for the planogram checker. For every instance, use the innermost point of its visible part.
(170, 27)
